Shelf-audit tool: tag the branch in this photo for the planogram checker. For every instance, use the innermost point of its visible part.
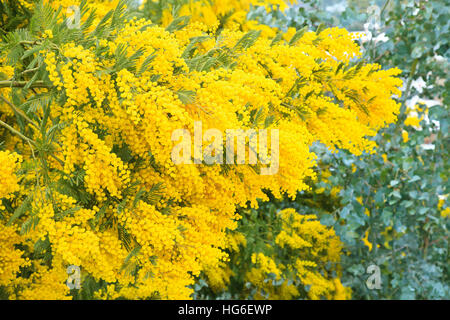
(7, 126)
(30, 141)
(29, 71)
(21, 84)
(18, 111)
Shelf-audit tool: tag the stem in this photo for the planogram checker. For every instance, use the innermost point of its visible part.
(57, 159)
(405, 94)
(384, 8)
(30, 141)
(29, 42)
(21, 84)
(18, 111)
(7, 126)
(411, 75)
(437, 240)
(29, 71)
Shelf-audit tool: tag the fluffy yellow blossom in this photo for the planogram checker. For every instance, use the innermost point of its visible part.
(290, 260)
(47, 283)
(446, 212)
(48, 34)
(405, 136)
(11, 259)
(366, 240)
(9, 165)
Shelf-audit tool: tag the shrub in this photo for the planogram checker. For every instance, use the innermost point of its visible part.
(91, 111)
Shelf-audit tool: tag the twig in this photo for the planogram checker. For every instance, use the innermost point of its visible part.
(437, 240)
(57, 159)
(30, 141)
(20, 84)
(18, 111)
(29, 71)
(411, 76)
(7, 126)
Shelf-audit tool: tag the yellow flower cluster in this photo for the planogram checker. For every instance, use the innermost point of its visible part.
(445, 212)
(315, 245)
(11, 259)
(413, 118)
(302, 254)
(8, 72)
(46, 283)
(141, 223)
(211, 12)
(9, 164)
(405, 136)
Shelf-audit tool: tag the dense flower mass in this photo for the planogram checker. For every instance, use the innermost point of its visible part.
(96, 114)
(10, 163)
(300, 257)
